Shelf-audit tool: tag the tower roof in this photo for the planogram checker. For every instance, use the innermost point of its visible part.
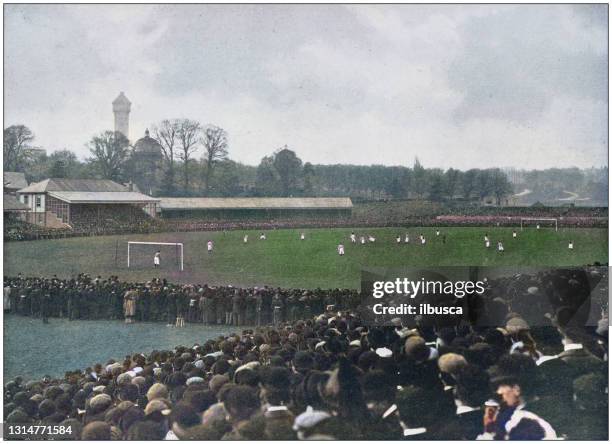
(121, 100)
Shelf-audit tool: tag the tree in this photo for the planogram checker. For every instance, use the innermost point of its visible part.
(267, 182)
(109, 152)
(226, 181)
(166, 134)
(483, 184)
(289, 167)
(215, 146)
(309, 175)
(501, 185)
(63, 164)
(17, 139)
(468, 183)
(436, 188)
(188, 134)
(419, 178)
(452, 177)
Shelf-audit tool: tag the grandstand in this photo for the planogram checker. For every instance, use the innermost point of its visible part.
(84, 204)
(240, 208)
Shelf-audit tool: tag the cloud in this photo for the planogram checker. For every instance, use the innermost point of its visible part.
(515, 64)
(456, 85)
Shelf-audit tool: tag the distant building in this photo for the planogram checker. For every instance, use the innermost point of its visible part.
(121, 109)
(146, 156)
(13, 181)
(13, 209)
(146, 161)
(65, 203)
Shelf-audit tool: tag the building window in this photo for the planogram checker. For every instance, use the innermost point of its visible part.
(38, 201)
(25, 199)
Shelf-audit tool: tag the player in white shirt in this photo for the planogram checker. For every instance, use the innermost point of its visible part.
(157, 259)
(209, 246)
(341, 249)
(487, 243)
(570, 245)
(537, 226)
(407, 239)
(371, 238)
(353, 238)
(514, 234)
(423, 240)
(262, 236)
(245, 239)
(486, 237)
(437, 232)
(398, 239)
(362, 240)
(500, 246)
(302, 236)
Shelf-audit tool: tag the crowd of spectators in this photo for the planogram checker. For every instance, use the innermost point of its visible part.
(111, 226)
(17, 230)
(103, 219)
(158, 300)
(531, 211)
(330, 375)
(514, 221)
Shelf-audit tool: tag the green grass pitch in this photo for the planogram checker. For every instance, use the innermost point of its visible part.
(286, 261)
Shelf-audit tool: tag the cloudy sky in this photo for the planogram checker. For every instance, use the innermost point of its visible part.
(455, 85)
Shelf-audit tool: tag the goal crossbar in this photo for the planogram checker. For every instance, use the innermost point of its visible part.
(543, 219)
(176, 244)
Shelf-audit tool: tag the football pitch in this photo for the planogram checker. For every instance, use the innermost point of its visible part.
(284, 260)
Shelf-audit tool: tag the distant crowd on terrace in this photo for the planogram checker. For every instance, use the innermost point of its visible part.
(123, 222)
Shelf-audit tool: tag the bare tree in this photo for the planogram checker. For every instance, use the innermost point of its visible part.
(188, 133)
(17, 140)
(166, 134)
(215, 145)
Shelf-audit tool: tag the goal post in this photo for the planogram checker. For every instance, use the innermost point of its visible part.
(178, 245)
(540, 219)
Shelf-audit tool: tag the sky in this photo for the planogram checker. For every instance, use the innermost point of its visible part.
(463, 86)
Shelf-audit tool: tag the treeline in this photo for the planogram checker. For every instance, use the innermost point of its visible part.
(194, 160)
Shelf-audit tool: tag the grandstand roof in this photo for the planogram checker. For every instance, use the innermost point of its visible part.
(73, 185)
(10, 203)
(14, 180)
(102, 197)
(251, 203)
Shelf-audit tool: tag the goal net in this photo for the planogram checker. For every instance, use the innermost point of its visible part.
(142, 254)
(539, 221)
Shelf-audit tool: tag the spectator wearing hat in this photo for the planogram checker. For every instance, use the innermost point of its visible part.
(146, 431)
(576, 356)
(182, 417)
(96, 431)
(97, 408)
(157, 391)
(470, 392)
(379, 394)
(241, 404)
(590, 421)
(424, 414)
(275, 393)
